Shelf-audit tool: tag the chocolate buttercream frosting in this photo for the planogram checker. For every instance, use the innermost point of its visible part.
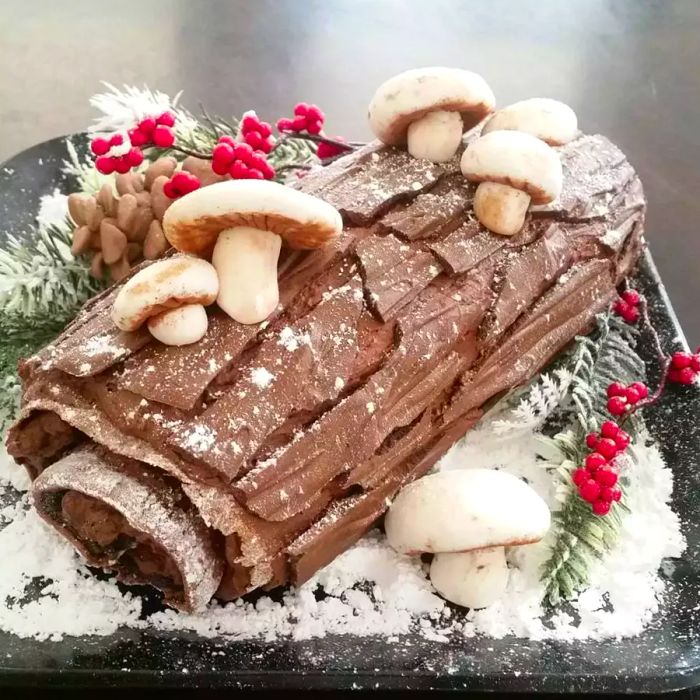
(252, 458)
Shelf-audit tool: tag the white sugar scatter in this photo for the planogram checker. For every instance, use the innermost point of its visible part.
(339, 383)
(292, 340)
(12, 474)
(261, 377)
(85, 367)
(53, 209)
(199, 438)
(370, 407)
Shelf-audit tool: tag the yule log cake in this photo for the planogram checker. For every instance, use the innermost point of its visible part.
(253, 456)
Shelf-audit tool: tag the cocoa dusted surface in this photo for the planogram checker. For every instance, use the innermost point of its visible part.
(289, 437)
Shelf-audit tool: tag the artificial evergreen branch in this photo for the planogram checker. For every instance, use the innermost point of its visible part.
(580, 536)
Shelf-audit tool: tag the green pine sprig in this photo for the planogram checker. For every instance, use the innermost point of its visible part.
(42, 287)
(580, 537)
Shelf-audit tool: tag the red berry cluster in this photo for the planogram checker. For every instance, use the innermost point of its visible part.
(622, 398)
(597, 478)
(154, 130)
(257, 134)
(684, 367)
(107, 164)
(329, 150)
(627, 305)
(307, 118)
(240, 161)
(180, 184)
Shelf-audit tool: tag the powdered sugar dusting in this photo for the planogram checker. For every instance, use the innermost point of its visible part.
(261, 377)
(370, 589)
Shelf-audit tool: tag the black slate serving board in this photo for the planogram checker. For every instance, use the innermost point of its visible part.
(665, 657)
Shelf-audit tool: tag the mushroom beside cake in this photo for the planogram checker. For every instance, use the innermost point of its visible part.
(314, 395)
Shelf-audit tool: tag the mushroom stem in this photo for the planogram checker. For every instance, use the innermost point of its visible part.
(435, 136)
(246, 260)
(182, 326)
(472, 579)
(501, 208)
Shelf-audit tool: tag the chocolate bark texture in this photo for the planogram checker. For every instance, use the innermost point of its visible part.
(272, 448)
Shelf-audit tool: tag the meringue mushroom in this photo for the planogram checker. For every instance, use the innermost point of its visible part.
(466, 517)
(181, 283)
(429, 109)
(514, 169)
(551, 121)
(241, 224)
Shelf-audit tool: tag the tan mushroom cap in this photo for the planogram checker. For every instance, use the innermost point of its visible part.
(413, 94)
(193, 223)
(515, 159)
(550, 120)
(165, 284)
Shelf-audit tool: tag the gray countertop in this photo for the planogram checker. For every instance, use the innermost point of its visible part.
(630, 69)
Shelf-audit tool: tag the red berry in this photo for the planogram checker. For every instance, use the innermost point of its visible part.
(589, 490)
(220, 167)
(227, 139)
(170, 191)
(673, 375)
(163, 136)
(267, 170)
(239, 170)
(609, 429)
(616, 494)
(250, 122)
(254, 140)
(579, 476)
(99, 146)
(243, 152)
(632, 395)
(601, 507)
(314, 114)
(622, 440)
(314, 127)
(299, 124)
(607, 448)
(134, 157)
(616, 389)
(254, 174)
(641, 388)
(264, 129)
(631, 314)
(617, 405)
(632, 297)
(592, 440)
(180, 180)
(166, 119)
(104, 165)
(607, 494)
(266, 146)
(686, 376)
(681, 360)
(605, 477)
(285, 125)
(594, 461)
(301, 109)
(328, 150)
(116, 140)
(137, 137)
(147, 125)
(122, 165)
(224, 154)
(695, 363)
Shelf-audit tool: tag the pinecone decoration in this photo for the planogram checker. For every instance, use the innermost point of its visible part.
(120, 231)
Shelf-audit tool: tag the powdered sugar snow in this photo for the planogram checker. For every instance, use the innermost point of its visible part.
(370, 589)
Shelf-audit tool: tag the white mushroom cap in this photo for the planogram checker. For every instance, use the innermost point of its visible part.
(472, 579)
(166, 284)
(550, 120)
(182, 326)
(465, 509)
(193, 223)
(516, 159)
(411, 95)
